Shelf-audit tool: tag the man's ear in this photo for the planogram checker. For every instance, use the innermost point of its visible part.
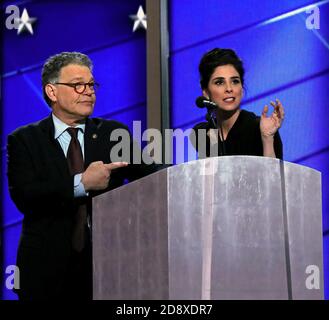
(51, 92)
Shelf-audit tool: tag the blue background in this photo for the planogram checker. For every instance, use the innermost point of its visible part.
(283, 59)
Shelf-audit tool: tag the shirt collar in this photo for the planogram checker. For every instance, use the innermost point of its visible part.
(60, 126)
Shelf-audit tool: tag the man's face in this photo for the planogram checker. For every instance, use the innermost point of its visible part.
(69, 105)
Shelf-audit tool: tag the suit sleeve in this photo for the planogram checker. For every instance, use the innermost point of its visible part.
(34, 189)
(139, 165)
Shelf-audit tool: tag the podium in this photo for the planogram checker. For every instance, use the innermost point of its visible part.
(233, 227)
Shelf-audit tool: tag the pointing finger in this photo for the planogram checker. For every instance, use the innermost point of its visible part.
(115, 165)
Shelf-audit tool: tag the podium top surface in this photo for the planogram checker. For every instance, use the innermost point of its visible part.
(247, 159)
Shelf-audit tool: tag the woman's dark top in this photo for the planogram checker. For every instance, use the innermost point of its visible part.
(244, 138)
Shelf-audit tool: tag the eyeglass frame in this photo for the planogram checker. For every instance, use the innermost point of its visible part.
(85, 84)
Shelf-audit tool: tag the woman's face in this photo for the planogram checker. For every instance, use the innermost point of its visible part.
(225, 88)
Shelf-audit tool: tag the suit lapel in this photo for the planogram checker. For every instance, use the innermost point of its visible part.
(92, 142)
(55, 151)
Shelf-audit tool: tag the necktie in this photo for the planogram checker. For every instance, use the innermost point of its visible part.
(76, 165)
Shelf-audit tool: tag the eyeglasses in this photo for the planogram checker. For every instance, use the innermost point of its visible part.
(80, 87)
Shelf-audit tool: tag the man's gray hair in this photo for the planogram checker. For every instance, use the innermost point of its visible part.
(54, 64)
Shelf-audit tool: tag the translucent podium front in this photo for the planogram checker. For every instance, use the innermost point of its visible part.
(237, 227)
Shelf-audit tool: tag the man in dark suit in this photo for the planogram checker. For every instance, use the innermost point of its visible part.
(55, 167)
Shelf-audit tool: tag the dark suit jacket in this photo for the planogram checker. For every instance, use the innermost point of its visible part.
(42, 189)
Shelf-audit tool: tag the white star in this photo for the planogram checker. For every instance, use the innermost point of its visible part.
(25, 22)
(139, 19)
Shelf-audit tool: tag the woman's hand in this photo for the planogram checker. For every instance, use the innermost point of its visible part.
(269, 125)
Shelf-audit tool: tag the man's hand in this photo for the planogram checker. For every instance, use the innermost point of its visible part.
(97, 175)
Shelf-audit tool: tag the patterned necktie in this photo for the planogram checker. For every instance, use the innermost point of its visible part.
(76, 165)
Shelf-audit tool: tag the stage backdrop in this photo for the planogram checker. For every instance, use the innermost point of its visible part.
(283, 59)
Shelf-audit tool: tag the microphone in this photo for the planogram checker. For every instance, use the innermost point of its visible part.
(203, 102)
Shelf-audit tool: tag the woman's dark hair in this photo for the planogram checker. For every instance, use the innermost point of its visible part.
(218, 57)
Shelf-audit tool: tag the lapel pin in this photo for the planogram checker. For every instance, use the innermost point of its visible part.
(94, 136)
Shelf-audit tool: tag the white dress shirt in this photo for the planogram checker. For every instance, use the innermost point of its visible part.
(64, 138)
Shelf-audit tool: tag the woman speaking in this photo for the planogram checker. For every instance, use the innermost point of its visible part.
(240, 132)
